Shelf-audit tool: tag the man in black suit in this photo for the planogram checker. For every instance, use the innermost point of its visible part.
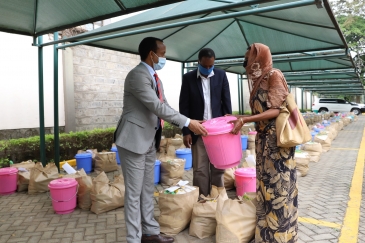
(204, 95)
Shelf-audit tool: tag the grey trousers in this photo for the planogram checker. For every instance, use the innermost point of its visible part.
(138, 172)
(204, 173)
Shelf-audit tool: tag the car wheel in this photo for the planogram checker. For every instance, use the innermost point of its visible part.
(323, 110)
(356, 111)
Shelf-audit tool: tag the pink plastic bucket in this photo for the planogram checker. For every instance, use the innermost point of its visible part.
(63, 194)
(223, 148)
(245, 180)
(8, 180)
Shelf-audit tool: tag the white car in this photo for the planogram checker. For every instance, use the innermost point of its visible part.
(336, 105)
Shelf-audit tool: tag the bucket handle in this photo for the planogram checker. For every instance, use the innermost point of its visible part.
(77, 190)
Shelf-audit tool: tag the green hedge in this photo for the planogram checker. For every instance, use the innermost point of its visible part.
(23, 149)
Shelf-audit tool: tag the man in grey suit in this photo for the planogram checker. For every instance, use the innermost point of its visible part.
(137, 136)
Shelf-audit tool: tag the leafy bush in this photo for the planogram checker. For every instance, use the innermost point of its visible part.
(4, 163)
(23, 149)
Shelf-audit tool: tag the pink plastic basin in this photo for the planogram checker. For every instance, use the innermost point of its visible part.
(223, 148)
(8, 180)
(63, 194)
(245, 180)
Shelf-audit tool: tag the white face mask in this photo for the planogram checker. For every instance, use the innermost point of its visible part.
(161, 62)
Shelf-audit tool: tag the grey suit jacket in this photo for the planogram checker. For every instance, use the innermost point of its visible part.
(137, 125)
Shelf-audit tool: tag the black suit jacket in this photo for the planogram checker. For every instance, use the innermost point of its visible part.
(191, 102)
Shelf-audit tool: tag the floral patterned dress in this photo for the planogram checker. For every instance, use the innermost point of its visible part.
(277, 192)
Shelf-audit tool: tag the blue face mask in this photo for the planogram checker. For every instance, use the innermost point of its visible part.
(161, 63)
(205, 71)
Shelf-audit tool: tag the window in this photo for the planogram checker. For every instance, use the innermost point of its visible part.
(328, 101)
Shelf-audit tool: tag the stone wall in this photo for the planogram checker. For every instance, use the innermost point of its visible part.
(98, 77)
(24, 132)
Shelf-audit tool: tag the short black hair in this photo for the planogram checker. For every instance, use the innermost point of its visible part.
(147, 44)
(206, 52)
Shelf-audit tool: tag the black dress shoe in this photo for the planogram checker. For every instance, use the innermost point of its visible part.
(157, 239)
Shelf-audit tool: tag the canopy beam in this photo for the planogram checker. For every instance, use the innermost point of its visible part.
(174, 17)
(195, 21)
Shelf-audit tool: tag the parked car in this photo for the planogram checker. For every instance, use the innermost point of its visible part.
(336, 105)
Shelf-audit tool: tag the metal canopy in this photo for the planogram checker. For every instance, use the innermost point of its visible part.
(303, 35)
(285, 26)
(37, 17)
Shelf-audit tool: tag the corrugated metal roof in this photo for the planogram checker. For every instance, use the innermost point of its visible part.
(36, 17)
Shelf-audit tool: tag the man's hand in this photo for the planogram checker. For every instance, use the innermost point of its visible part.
(197, 128)
(188, 141)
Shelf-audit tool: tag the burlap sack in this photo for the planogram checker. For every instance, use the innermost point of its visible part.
(172, 170)
(312, 146)
(23, 181)
(251, 138)
(203, 223)
(250, 145)
(314, 150)
(333, 131)
(245, 129)
(105, 195)
(236, 220)
(23, 176)
(25, 164)
(302, 163)
(177, 142)
(346, 121)
(229, 178)
(340, 125)
(314, 156)
(105, 161)
(176, 210)
(40, 177)
(85, 186)
(324, 141)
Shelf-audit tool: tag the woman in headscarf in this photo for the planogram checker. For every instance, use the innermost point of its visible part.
(276, 184)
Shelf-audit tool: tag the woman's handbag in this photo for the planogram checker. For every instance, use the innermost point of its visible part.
(291, 129)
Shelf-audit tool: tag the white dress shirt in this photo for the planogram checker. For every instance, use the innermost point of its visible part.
(206, 93)
(152, 72)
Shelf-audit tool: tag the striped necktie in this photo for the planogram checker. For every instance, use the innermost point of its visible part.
(159, 93)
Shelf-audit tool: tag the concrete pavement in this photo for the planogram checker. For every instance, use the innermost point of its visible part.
(324, 210)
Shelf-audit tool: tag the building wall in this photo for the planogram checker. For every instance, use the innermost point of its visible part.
(19, 100)
(98, 82)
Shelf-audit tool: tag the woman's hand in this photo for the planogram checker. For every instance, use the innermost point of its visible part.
(237, 124)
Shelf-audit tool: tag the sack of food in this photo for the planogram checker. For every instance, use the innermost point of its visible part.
(176, 209)
(324, 140)
(85, 186)
(346, 121)
(40, 177)
(229, 178)
(106, 195)
(172, 170)
(236, 219)
(23, 174)
(25, 164)
(314, 150)
(203, 223)
(302, 163)
(106, 161)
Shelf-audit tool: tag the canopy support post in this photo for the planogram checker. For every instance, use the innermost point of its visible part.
(242, 98)
(55, 103)
(239, 94)
(41, 103)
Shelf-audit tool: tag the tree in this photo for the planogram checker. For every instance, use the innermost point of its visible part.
(351, 17)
